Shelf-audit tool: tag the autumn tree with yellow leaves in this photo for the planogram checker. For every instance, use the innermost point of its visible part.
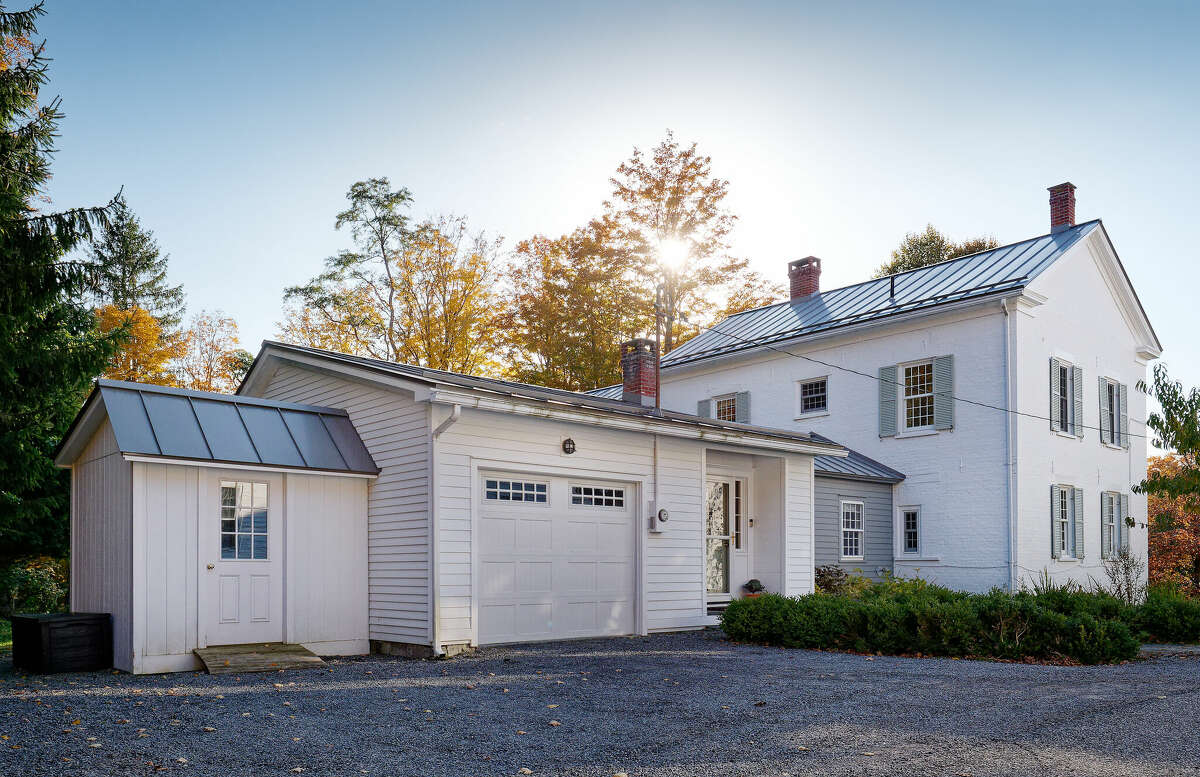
(146, 352)
(211, 358)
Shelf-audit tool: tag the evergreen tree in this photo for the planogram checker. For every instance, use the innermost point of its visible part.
(50, 348)
(131, 270)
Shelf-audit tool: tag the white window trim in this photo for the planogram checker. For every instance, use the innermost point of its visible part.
(1072, 423)
(800, 413)
(862, 533)
(1114, 513)
(904, 430)
(904, 552)
(723, 398)
(1069, 491)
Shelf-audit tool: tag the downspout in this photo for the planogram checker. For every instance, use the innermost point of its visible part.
(455, 414)
(1009, 435)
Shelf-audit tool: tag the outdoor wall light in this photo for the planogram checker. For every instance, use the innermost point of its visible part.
(568, 446)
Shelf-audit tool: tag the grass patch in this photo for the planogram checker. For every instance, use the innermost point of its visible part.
(5, 635)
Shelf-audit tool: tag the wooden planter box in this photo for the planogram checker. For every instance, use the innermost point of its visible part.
(63, 642)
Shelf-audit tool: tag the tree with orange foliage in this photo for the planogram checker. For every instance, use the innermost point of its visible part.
(212, 359)
(146, 352)
(1174, 531)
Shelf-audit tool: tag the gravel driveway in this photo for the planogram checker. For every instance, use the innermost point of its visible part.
(680, 704)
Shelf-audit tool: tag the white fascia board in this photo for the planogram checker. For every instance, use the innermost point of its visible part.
(88, 422)
(252, 467)
(538, 409)
(1105, 256)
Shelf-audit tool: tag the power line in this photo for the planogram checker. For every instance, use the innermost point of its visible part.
(876, 378)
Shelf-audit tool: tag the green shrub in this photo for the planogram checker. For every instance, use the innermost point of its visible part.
(1168, 615)
(830, 579)
(908, 616)
(34, 585)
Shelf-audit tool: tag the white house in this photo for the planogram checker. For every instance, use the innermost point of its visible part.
(1002, 384)
(338, 500)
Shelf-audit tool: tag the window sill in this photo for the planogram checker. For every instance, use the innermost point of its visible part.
(916, 557)
(814, 414)
(851, 559)
(1068, 560)
(1113, 447)
(916, 433)
(1067, 435)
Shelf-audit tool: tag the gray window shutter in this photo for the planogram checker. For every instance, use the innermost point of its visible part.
(1080, 525)
(1102, 392)
(1123, 401)
(1123, 527)
(887, 401)
(1105, 518)
(704, 408)
(943, 392)
(742, 407)
(1077, 387)
(1055, 537)
(1055, 416)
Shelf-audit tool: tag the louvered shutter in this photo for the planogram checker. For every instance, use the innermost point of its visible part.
(887, 401)
(1123, 397)
(1077, 387)
(1055, 537)
(704, 408)
(1055, 414)
(742, 407)
(1079, 524)
(943, 392)
(1124, 527)
(1108, 532)
(1105, 426)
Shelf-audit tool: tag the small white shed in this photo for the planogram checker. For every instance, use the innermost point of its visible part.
(202, 519)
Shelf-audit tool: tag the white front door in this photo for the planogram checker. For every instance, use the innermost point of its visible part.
(241, 542)
(557, 558)
(727, 541)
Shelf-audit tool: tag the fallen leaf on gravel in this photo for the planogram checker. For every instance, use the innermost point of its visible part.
(209, 729)
(523, 770)
(760, 704)
(506, 690)
(93, 744)
(555, 723)
(181, 760)
(295, 739)
(519, 732)
(122, 720)
(866, 754)
(551, 706)
(621, 774)
(297, 769)
(802, 747)
(75, 722)
(245, 714)
(91, 739)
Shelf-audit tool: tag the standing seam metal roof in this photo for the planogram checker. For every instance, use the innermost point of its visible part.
(855, 466)
(200, 426)
(1004, 269)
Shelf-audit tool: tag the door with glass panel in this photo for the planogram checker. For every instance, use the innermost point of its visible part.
(727, 538)
(241, 527)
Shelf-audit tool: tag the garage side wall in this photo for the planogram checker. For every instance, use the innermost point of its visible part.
(396, 431)
(326, 556)
(101, 538)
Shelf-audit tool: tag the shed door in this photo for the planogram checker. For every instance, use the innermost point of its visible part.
(557, 558)
(241, 544)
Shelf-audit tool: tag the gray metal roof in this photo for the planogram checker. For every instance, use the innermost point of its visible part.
(201, 426)
(540, 393)
(855, 466)
(608, 392)
(1000, 270)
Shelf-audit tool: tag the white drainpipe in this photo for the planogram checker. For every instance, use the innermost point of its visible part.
(455, 414)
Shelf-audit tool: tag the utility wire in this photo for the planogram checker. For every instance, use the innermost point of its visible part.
(956, 398)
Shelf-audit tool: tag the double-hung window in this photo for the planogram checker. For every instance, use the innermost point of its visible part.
(813, 396)
(911, 518)
(1110, 517)
(1114, 415)
(1066, 522)
(852, 530)
(918, 396)
(1066, 398)
(725, 408)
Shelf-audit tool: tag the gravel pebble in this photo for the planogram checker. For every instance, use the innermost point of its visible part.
(726, 709)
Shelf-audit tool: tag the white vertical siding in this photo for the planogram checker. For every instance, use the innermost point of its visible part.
(165, 560)
(326, 575)
(101, 538)
(798, 574)
(396, 431)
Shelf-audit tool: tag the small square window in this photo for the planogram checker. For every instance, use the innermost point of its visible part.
(514, 491)
(814, 396)
(725, 408)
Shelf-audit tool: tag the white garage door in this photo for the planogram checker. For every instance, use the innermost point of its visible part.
(557, 558)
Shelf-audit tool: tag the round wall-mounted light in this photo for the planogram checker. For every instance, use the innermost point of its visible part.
(568, 446)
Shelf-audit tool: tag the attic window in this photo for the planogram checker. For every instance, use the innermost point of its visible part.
(725, 408)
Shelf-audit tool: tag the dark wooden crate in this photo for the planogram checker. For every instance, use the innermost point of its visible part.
(62, 642)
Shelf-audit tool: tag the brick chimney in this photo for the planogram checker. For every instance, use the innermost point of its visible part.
(1062, 207)
(639, 371)
(805, 277)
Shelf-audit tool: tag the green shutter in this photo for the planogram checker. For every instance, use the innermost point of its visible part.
(742, 407)
(943, 392)
(1079, 523)
(1105, 430)
(704, 408)
(1123, 400)
(887, 401)
(1077, 387)
(1055, 416)
(1124, 527)
(1107, 536)
(1055, 537)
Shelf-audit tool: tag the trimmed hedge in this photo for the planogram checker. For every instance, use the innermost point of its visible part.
(911, 616)
(1168, 616)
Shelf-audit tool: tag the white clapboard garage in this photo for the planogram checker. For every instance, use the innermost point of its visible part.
(558, 558)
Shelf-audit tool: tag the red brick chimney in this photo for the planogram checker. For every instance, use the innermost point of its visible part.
(805, 277)
(639, 371)
(1062, 207)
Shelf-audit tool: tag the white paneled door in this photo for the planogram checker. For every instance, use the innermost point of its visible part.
(727, 538)
(241, 548)
(557, 558)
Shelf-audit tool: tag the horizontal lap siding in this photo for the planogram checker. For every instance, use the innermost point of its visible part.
(674, 563)
(102, 538)
(799, 572)
(395, 430)
(877, 524)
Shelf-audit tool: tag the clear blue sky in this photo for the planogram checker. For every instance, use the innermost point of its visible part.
(236, 128)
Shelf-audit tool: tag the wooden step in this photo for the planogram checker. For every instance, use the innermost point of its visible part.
(257, 657)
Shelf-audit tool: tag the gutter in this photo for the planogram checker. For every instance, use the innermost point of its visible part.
(1010, 434)
(447, 422)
